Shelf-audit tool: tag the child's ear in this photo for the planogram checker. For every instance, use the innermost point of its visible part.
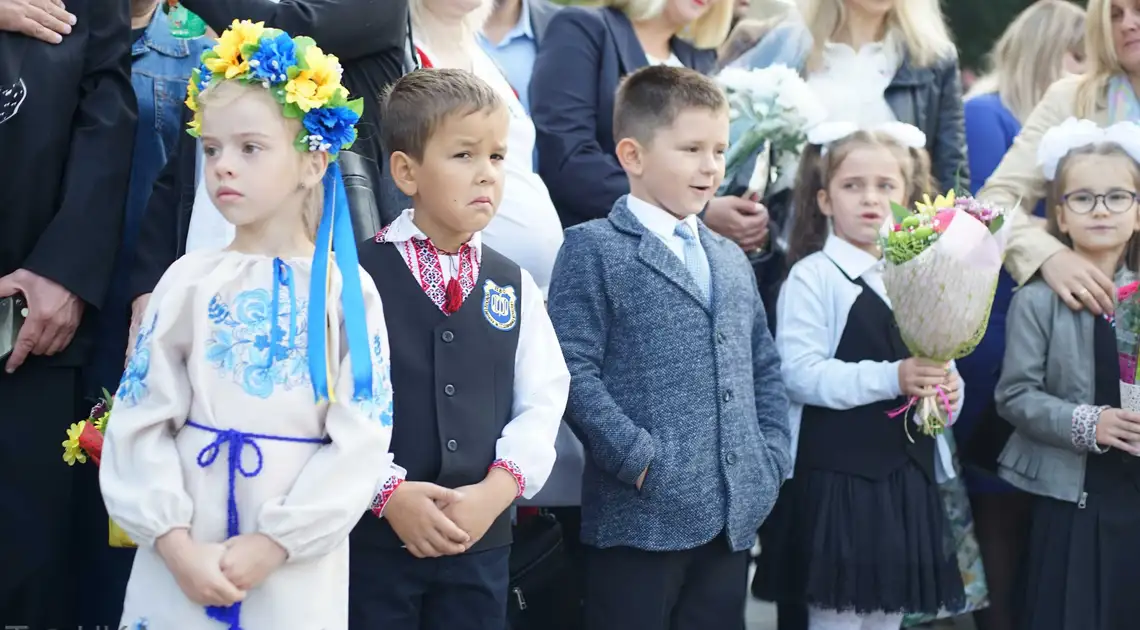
(1062, 224)
(629, 156)
(313, 171)
(403, 169)
(823, 201)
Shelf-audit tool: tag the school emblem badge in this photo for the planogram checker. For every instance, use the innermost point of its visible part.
(499, 305)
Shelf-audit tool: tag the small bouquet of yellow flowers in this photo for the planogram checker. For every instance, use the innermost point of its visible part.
(85, 440)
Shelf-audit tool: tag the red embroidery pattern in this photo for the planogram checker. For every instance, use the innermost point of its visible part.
(423, 258)
(381, 498)
(515, 471)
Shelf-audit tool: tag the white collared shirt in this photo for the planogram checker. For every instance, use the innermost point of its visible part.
(542, 382)
(662, 224)
(811, 315)
(851, 84)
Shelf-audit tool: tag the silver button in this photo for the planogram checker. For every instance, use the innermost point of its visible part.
(730, 458)
(449, 389)
(727, 395)
(447, 336)
(452, 445)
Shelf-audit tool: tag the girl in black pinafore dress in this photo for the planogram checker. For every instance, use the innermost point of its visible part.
(859, 533)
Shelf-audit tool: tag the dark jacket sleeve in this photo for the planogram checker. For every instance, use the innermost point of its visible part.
(78, 248)
(158, 245)
(349, 29)
(584, 181)
(949, 156)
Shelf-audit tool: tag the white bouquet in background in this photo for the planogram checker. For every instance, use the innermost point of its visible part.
(770, 110)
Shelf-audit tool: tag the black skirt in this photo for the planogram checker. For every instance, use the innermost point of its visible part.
(848, 543)
(1083, 564)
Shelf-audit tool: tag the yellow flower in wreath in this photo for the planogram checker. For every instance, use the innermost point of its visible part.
(229, 59)
(72, 452)
(313, 88)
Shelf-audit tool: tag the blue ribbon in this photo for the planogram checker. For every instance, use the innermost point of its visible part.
(336, 234)
(235, 442)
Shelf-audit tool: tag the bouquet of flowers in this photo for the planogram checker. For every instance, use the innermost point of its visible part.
(1127, 325)
(942, 262)
(85, 440)
(770, 109)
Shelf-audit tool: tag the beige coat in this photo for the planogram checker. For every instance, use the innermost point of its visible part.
(1018, 181)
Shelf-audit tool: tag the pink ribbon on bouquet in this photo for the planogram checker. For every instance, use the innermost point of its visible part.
(913, 400)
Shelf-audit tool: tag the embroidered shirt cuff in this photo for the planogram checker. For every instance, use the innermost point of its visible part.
(385, 493)
(1085, 419)
(515, 471)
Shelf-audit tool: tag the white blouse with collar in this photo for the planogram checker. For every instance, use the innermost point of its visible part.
(851, 84)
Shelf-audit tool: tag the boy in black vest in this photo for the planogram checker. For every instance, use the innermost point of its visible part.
(478, 377)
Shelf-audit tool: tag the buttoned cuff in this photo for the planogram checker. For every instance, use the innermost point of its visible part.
(1085, 419)
(515, 471)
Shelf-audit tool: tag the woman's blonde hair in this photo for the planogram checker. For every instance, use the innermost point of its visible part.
(810, 229)
(1102, 62)
(472, 22)
(919, 23)
(227, 92)
(707, 31)
(1030, 55)
(1057, 187)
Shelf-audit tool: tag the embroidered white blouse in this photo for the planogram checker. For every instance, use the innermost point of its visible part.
(223, 348)
(851, 84)
(811, 315)
(542, 383)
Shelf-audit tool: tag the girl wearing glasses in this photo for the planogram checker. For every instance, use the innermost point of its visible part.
(1074, 447)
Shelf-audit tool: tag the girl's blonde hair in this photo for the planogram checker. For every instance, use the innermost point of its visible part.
(1030, 55)
(707, 31)
(1102, 62)
(1054, 199)
(810, 228)
(226, 92)
(472, 22)
(918, 22)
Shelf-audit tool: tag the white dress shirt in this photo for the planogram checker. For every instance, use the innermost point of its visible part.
(542, 382)
(851, 84)
(209, 230)
(526, 229)
(663, 225)
(811, 315)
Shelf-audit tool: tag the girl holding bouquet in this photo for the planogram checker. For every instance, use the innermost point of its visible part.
(1074, 447)
(863, 534)
(238, 487)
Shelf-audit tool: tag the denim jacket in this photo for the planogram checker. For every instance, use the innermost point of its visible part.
(160, 68)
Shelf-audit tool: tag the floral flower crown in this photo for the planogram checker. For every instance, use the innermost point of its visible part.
(300, 76)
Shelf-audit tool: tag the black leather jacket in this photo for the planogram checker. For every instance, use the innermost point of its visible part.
(931, 99)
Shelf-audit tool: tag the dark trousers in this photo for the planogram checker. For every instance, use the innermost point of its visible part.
(390, 589)
(37, 405)
(695, 589)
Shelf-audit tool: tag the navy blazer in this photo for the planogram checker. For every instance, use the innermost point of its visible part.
(661, 380)
(584, 55)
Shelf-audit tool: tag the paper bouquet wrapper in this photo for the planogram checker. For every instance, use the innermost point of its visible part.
(1129, 397)
(942, 297)
(118, 538)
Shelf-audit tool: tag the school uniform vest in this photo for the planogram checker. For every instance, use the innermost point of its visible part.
(865, 441)
(452, 378)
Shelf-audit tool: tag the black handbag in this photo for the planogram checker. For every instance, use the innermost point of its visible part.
(543, 593)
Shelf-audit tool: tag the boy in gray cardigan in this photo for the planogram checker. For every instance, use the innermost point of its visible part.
(675, 382)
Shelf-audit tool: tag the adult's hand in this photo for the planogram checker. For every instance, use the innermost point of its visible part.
(1079, 283)
(138, 309)
(53, 315)
(744, 222)
(45, 20)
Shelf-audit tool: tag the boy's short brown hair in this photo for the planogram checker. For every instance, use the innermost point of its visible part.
(651, 99)
(413, 107)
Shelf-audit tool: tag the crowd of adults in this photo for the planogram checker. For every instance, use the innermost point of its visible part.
(100, 190)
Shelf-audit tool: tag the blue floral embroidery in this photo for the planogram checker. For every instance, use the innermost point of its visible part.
(132, 387)
(141, 624)
(241, 344)
(379, 405)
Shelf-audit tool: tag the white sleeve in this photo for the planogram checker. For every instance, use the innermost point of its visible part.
(337, 483)
(140, 473)
(804, 333)
(542, 385)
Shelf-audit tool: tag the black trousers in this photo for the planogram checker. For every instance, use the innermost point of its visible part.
(696, 589)
(37, 405)
(390, 589)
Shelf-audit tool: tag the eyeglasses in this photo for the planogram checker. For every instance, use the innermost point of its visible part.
(1115, 201)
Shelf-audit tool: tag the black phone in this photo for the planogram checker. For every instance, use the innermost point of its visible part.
(13, 312)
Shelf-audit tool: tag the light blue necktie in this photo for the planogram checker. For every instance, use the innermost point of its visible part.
(695, 260)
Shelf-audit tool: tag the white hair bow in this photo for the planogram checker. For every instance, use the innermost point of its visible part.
(828, 133)
(1075, 134)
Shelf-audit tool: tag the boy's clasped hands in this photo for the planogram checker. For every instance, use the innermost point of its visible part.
(434, 521)
(219, 574)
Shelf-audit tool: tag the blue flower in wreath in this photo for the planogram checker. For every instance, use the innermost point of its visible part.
(273, 58)
(203, 75)
(330, 128)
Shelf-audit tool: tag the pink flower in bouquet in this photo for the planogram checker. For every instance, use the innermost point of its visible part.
(942, 220)
(1127, 291)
